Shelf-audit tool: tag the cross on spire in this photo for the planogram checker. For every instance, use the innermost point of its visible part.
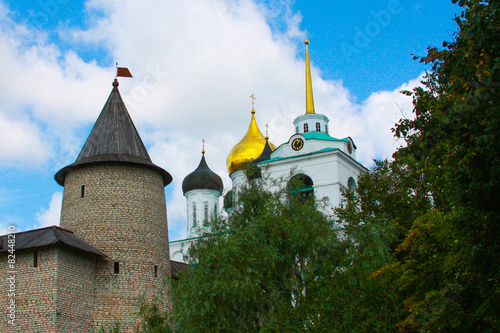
(253, 101)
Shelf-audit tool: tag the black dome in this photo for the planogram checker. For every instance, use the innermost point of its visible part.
(202, 179)
(265, 155)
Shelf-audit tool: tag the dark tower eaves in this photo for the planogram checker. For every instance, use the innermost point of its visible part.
(113, 139)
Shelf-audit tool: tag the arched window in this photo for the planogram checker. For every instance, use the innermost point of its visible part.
(301, 187)
(194, 214)
(326, 129)
(351, 184)
(205, 210)
(216, 208)
(296, 129)
(318, 127)
(306, 128)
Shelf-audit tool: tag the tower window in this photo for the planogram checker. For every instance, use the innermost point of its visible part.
(194, 214)
(301, 188)
(35, 258)
(306, 128)
(216, 208)
(326, 129)
(351, 184)
(117, 267)
(296, 129)
(318, 127)
(205, 210)
(156, 271)
(82, 191)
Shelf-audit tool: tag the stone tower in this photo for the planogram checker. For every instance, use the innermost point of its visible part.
(114, 199)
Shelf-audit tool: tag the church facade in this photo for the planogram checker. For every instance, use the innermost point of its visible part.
(312, 162)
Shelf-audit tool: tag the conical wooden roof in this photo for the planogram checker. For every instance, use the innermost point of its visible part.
(113, 139)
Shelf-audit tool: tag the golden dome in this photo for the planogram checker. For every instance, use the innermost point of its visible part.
(248, 149)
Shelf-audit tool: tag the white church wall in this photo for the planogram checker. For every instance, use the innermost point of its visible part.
(196, 200)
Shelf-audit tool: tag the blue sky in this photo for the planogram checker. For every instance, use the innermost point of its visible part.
(194, 68)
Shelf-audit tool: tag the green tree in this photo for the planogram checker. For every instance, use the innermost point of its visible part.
(264, 268)
(447, 267)
(278, 264)
(153, 320)
(376, 219)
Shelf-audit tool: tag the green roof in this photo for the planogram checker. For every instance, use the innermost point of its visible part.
(284, 158)
(321, 136)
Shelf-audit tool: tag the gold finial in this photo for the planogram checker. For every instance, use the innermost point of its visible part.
(309, 91)
(253, 103)
(203, 149)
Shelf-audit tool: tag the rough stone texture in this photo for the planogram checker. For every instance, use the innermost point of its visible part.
(57, 296)
(75, 291)
(123, 214)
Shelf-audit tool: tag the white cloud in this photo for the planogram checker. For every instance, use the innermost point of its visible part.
(22, 143)
(194, 68)
(46, 95)
(380, 112)
(52, 215)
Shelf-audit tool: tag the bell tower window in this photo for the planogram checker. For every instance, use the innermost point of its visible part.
(318, 127)
(306, 128)
(301, 187)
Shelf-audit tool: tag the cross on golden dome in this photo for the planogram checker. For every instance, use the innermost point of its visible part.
(253, 103)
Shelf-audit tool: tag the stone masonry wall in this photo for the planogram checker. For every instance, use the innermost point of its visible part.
(35, 292)
(54, 297)
(122, 212)
(75, 291)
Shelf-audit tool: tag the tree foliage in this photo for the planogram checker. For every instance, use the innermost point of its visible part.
(278, 264)
(447, 266)
(258, 269)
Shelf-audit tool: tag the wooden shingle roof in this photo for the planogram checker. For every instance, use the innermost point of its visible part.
(113, 139)
(54, 235)
(48, 236)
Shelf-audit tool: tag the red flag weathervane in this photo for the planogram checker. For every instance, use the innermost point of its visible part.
(122, 71)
